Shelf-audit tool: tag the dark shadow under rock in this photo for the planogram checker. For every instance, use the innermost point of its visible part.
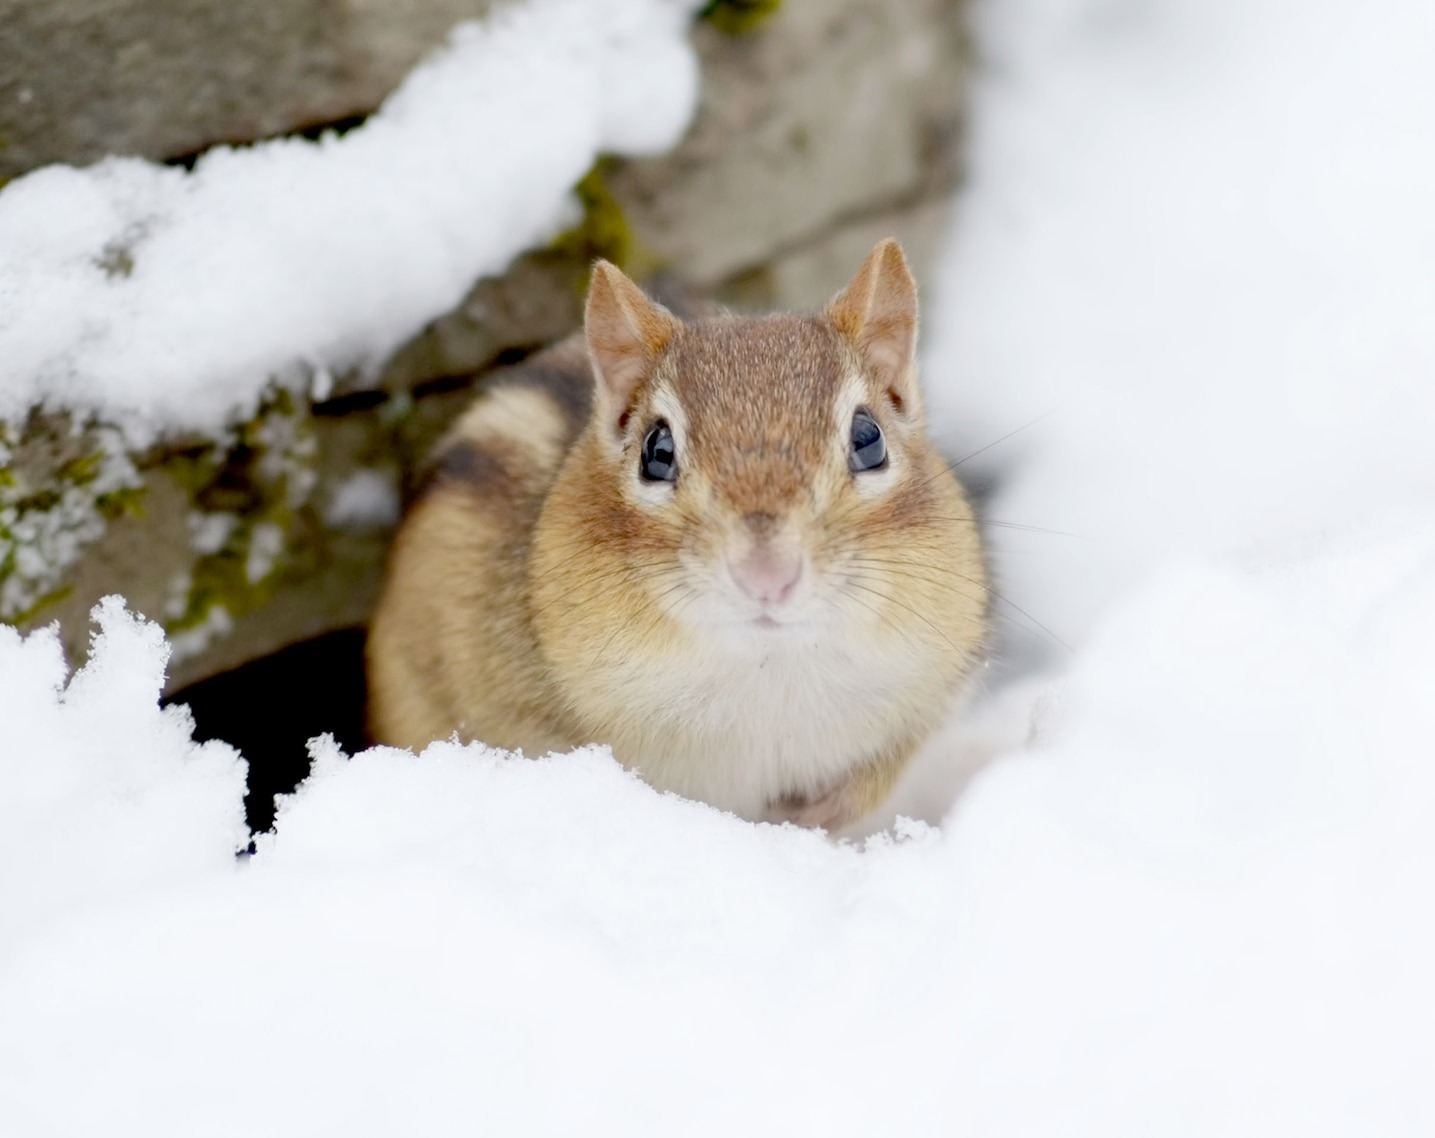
(269, 709)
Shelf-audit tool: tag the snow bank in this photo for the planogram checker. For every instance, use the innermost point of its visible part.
(1191, 899)
(103, 796)
(1196, 908)
(162, 298)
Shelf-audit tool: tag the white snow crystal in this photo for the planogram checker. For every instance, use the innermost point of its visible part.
(366, 498)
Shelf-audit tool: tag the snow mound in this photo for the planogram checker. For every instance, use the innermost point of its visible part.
(102, 795)
(1198, 897)
(163, 298)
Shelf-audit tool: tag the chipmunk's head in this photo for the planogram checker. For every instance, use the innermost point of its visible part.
(771, 475)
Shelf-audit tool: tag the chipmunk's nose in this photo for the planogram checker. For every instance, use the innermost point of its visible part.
(767, 575)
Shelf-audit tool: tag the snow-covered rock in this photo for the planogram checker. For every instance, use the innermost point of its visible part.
(163, 298)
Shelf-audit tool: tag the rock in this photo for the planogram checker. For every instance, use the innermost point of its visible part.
(807, 275)
(80, 79)
(835, 111)
(833, 125)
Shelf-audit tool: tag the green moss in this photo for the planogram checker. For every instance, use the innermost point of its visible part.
(222, 579)
(256, 487)
(194, 468)
(36, 611)
(39, 502)
(604, 231)
(126, 502)
(738, 17)
(222, 482)
(82, 469)
(219, 580)
(60, 485)
(74, 472)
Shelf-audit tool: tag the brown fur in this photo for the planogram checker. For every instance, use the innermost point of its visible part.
(541, 595)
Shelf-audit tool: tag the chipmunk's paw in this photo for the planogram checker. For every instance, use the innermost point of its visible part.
(831, 811)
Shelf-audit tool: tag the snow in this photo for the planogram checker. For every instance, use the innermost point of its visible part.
(103, 797)
(366, 499)
(1189, 896)
(1196, 247)
(1104, 937)
(164, 299)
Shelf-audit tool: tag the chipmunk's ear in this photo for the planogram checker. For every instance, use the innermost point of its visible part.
(877, 313)
(626, 333)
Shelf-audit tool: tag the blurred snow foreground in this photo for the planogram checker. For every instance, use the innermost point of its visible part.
(1193, 897)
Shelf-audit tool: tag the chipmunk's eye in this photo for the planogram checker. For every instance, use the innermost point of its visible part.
(869, 449)
(660, 456)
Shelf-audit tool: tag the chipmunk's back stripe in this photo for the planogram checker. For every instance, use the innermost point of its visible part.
(566, 380)
(510, 441)
(474, 466)
(468, 465)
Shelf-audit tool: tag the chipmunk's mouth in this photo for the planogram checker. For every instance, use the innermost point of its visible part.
(767, 628)
(772, 623)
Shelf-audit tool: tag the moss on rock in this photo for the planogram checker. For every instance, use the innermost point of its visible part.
(603, 231)
(61, 482)
(248, 499)
(737, 17)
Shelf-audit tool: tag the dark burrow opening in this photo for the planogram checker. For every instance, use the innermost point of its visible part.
(271, 707)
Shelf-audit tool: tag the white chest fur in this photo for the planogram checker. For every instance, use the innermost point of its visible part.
(743, 722)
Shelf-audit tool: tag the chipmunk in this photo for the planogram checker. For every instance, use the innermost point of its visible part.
(724, 546)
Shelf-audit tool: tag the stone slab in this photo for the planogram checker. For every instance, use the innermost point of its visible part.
(80, 79)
